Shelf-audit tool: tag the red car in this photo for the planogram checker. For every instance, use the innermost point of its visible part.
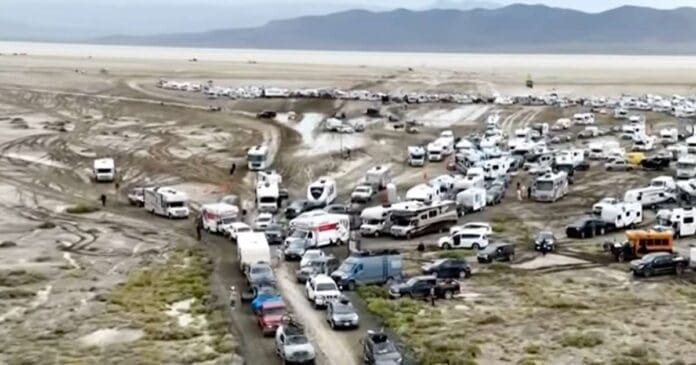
(269, 316)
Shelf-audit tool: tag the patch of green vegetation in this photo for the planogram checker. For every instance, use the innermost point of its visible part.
(627, 360)
(16, 293)
(14, 278)
(532, 349)
(582, 340)
(488, 319)
(46, 225)
(82, 209)
(563, 303)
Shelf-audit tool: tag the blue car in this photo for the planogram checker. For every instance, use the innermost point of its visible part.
(264, 294)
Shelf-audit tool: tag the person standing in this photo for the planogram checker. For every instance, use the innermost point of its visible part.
(233, 297)
(529, 192)
(199, 227)
(233, 168)
(519, 191)
(432, 296)
(103, 200)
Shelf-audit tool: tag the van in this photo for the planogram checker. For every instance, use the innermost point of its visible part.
(368, 267)
(471, 239)
(217, 217)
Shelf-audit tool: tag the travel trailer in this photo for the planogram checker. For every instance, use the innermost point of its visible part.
(217, 217)
(446, 140)
(650, 196)
(322, 192)
(631, 131)
(104, 170)
(643, 143)
(680, 221)
(471, 200)
(620, 113)
(267, 196)
(375, 220)
(423, 193)
(562, 123)
(599, 149)
(419, 219)
(571, 159)
(475, 177)
(166, 202)
(257, 157)
(416, 156)
(584, 118)
(622, 215)
(686, 167)
(550, 187)
(378, 177)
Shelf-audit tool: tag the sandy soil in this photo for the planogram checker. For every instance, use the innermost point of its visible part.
(55, 121)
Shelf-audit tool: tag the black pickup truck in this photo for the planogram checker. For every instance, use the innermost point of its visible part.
(419, 287)
(659, 263)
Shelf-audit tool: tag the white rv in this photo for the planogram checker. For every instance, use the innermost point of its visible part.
(423, 193)
(620, 113)
(622, 215)
(643, 143)
(378, 176)
(166, 202)
(375, 220)
(584, 118)
(444, 184)
(321, 230)
(322, 192)
(416, 156)
(550, 187)
(446, 140)
(686, 167)
(599, 149)
(104, 170)
(471, 200)
(681, 221)
(257, 158)
(252, 247)
(669, 135)
(217, 217)
(267, 196)
(650, 196)
(475, 177)
(418, 219)
(435, 152)
(691, 144)
(664, 182)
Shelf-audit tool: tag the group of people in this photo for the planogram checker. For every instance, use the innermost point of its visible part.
(523, 192)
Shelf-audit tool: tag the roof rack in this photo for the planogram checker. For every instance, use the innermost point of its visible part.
(292, 326)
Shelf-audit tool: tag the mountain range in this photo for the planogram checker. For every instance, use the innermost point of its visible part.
(514, 28)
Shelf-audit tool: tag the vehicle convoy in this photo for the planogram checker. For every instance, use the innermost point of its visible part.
(291, 343)
(257, 158)
(341, 314)
(378, 349)
(420, 287)
(659, 263)
(320, 290)
(166, 202)
(419, 219)
(368, 267)
(640, 243)
(104, 170)
(217, 217)
(447, 269)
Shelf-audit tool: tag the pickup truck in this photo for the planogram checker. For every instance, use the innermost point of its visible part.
(362, 194)
(659, 263)
(419, 287)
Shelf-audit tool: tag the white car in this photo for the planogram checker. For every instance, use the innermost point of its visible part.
(235, 228)
(321, 289)
(482, 227)
(470, 239)
(262, 221)
(310, 255)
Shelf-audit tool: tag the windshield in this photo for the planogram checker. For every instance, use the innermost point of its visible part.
(227, 220)
(260, 270)
(362, 189)
(545, 236)
(373, 222)
(384, 348)
(298, 234)
(297, 340)
(176, 205)
(326, 287)
(267, 199)
(544, 185)
(347, 266)
(103, 171)
(343, 309)
(256, 157)
(316, 192)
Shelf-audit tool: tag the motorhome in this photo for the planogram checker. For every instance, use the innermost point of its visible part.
(252, 247)
(378, 177)
(320, 230)
(598, 150)
(435, 152)
(686, 167)
(669, 135)
(446, 140)
(375, 220)
(496, 167)
(538, 162)
(423, 193)
(257, 158)
(416, 156)
(630, 131)
(217, 217)
(322, 192)
(620, 113)
(104, 170)
(166, 202)
(267, 196)
(562, 123)
(584, 118)
(418, 219)
(550, 187)
(622, 215)
(664, 182)
(475, 177)
(650, 196)
(679, 220)
(571, 159)
(444, 184)
(471, 200)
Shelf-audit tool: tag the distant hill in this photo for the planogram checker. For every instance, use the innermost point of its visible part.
(515, 28)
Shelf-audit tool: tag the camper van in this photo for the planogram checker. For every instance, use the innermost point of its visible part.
(622, 215)
(471, 200)
(378, 177)
(680, 221)
(650, 196)
(104, 170)
(320, 230)
(217, 217)
(686, 167)
(267, 197)
(322, 192)
(435, 152)
(375, 220)
(571, 159)
(166, 202)
(643, 143)
(257, 157)
(416, 156)
(419, 219)
(550, 187)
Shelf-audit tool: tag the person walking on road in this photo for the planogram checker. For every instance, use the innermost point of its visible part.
(233, 168)
(233, 297)
(199, 227)
(103, 199)
(519, 191)
(432, 296)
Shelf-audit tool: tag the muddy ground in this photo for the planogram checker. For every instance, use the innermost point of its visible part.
(75, 276)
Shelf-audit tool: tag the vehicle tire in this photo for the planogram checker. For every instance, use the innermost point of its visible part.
(609, 168)
(448, 294)
(332, 325)
(408, 235)
(447, 246)
(351, 286)
(648, 273)
(476, 246)
(679, 270)
(376, 234)
(467, 274)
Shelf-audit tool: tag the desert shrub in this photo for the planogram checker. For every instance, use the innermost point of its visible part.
(82, 209)
(582, 340)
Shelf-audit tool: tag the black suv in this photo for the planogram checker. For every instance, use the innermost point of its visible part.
(419, 287)
(447, 269)
(378, 349)
(298, 207)
(545, 240)
(658, 263)
(496, 252)
(275, 234)
(587, 227)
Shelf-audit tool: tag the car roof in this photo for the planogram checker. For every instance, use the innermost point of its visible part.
(656, 254)
(323, 279)
(239, 225)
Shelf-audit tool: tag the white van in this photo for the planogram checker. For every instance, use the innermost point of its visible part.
(166, 202)
(435, 152)
(257, 158)
(267, 197)
(416, 156)
(550, 187)
(252, 247)
(686, 167)
(471, 239)
(217, 217)
(104, 170)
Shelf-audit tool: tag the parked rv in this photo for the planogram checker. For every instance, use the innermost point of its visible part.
(378, 177)
(252, 248)
(416, 156)
(418, 219)
(550, 187)
(104, 170)
(651, 196)
(681, 221)
(686, 167)
(322, 192)
(166, 202)
(471, 200)
(257, 157)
